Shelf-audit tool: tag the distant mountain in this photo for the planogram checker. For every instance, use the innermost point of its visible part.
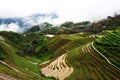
(27, 22)
(40, 27)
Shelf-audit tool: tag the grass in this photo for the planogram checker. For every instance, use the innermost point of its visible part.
(73, 44)
(12, 73)
(33, 59)
(71, 36)
(44, 57)
(89, 65)
(23, 64)
(57, 42)
(109, 46)
(30, 70)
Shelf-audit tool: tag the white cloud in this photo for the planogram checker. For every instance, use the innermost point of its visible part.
(22, 24)
(79, 10)
(10, 27)
(67, 10)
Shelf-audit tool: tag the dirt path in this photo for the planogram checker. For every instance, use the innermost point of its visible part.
(4, 63)
(104, 57)
(99, 54)
(5, 43)
(34, 63)
(58, 68)
(44, 62)
(6, 77)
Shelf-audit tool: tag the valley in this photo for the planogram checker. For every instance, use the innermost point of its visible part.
(71, 56)
(59, 39)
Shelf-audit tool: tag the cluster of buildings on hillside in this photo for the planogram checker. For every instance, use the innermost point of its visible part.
(98, 26)
(103, 23)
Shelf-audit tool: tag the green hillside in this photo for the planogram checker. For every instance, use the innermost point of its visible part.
(92, 56)
(109, 46)
(89, 64)
(21, 68)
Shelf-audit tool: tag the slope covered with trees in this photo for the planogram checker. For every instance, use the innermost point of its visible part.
(93, 57)
(74, 53)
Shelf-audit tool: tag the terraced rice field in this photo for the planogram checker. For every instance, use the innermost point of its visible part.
(91, 65)
(73, 44)
(58, 68)
(110, 47)
(87, 59)
(58, 42)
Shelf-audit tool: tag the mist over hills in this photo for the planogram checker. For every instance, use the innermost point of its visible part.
(60, 40)
(20, 24)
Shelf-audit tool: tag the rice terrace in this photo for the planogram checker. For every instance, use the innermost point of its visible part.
(60, 40)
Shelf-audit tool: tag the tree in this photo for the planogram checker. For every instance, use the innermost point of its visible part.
(68, 24)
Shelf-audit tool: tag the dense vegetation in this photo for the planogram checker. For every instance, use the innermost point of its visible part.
(111, 23)
(92, 56)
(88, 64)
(24, 52)
(110, 47)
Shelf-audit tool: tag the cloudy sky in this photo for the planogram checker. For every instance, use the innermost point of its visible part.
(67, 10)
